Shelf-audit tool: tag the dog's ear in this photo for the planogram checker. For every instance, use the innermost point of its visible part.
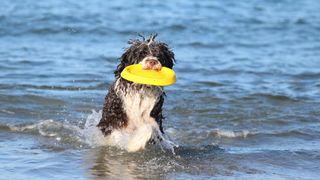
(122, 65)
(124, 59)
(167, 55)
(119, 69)
(130, 56)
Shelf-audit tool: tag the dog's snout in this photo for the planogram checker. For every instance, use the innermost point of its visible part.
(151, 63)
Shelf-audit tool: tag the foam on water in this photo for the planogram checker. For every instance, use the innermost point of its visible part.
(230, 134)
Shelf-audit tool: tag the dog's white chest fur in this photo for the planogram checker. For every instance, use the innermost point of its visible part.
(138, 104)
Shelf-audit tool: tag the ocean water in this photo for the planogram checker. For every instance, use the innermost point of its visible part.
(246, 104)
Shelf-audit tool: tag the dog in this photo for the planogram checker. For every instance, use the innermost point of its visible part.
(132, 113)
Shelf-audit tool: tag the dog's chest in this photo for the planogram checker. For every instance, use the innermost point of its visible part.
(139, 104)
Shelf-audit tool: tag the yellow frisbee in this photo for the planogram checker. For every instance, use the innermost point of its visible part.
(135, 73)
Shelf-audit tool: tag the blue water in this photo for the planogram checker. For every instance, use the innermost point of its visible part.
(245, 106)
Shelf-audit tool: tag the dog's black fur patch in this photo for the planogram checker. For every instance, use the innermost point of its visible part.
(113, 115)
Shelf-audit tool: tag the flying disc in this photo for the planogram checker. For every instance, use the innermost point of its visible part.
(135, 73)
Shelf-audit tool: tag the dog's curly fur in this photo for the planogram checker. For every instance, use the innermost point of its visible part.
(129, 106)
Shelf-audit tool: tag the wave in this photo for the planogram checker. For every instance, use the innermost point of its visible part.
(222, 133)
(66, 133)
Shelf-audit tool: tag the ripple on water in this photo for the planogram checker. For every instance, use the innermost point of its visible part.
(96, 86)
(29, 98)
(210, 83)
(274, 97)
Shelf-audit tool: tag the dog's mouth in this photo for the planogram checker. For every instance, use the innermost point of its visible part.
(151, 63)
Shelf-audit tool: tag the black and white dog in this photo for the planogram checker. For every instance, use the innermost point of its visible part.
(132, 113)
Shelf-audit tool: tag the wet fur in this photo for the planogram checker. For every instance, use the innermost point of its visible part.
(132, 113)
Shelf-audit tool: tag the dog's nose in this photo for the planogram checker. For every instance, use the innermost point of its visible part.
(151, 63)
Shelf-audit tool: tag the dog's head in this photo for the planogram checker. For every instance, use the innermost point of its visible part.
(151, 54)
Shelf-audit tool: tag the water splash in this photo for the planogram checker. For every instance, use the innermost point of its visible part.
(91, 133)
(94, 137)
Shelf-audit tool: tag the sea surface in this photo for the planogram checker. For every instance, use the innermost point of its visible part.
(246, 104)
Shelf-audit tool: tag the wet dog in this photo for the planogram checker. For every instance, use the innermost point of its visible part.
(132, 113)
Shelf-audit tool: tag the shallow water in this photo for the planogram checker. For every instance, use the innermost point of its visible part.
(246, 103)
